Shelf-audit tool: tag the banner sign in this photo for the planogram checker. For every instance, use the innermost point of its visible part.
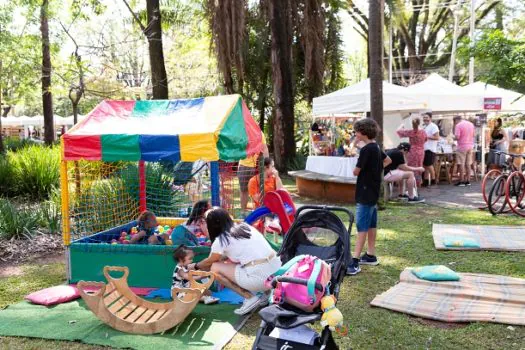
(492, 103)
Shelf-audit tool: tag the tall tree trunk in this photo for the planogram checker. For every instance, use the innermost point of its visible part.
(47, 98)
(2, 150)
(262, 109)
(153, 32)
(499, 16)
(375, 43)
(283, 123)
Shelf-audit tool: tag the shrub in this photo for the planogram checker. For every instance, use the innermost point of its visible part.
(14, 144)
(101, 205)
(297, 163)
(162, 199)
(36, 170)
(17, 222)
(6, 176)
(50, 217)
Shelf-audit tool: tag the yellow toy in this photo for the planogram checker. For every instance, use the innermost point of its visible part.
(332, 317)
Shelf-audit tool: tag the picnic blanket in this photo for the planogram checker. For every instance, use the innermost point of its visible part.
(207, 327)
(499, 238)
(475, 297)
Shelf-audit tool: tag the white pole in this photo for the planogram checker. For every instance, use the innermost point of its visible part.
(390, 56)
(483, 145)
(454, 43)
(472, 25)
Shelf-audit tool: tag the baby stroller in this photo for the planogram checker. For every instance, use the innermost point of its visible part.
(319, 232)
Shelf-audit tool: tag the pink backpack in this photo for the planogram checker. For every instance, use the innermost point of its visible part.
(295, 282)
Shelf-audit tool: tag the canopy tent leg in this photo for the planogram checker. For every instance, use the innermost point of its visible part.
(215, 184)
(142, 186)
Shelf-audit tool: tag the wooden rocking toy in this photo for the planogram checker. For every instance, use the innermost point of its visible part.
(116, 305)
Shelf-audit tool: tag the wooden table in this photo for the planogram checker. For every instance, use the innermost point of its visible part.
(440, 161)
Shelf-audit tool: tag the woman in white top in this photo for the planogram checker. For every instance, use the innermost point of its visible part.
(252, 260)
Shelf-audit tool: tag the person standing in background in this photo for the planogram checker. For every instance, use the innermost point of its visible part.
(246, 170)
(464, 134)
(432, 131)
(416, 138)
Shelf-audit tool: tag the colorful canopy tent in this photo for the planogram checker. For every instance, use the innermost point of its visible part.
(120, 161)
(511, 101)
(209, 129)
(443, 97)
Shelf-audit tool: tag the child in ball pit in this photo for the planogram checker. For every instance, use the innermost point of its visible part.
(147, 223)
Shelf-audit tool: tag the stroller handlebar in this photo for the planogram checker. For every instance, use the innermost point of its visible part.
(295, 280)
(329, 208)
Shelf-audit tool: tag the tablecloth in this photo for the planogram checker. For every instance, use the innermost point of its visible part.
(335, 166)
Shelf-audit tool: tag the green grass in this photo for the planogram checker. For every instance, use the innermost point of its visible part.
(404, 239)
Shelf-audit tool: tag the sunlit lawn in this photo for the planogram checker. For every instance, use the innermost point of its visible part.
(404, 239)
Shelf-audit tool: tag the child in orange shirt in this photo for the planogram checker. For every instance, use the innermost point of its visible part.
(272, 182)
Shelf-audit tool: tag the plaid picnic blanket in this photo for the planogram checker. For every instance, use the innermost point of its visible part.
(500, 238)
(475, 297)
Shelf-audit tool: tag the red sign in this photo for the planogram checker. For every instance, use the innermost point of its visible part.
(492, 103)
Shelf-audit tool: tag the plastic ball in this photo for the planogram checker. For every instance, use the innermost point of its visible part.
(166, 227)
(168, 232)
(169, 242)
(114, 241)
(127, 238)
(125, 241)
(134, 230)
(160, 229)
(123, 234)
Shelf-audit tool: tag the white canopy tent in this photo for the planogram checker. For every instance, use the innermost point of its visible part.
(511, 101)
(397, 102)
(443, 97)
(356, 99)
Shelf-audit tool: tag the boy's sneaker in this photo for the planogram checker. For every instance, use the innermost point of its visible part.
(403, 196)
(415, 200)
(467, 183)
(368, 260)
(208, 299)
(353, 268)
(459, 184)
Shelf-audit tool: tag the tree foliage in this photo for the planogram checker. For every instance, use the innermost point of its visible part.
(422, 31)
(500, 60)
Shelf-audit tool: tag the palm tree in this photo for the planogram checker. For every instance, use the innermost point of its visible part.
(375, 44)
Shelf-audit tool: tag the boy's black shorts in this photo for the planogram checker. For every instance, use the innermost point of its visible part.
(429, 158)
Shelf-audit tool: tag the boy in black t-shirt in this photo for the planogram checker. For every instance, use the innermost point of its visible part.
(368, 171)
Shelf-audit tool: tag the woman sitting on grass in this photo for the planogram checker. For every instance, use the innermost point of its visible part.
(185, 233)
(251, 259)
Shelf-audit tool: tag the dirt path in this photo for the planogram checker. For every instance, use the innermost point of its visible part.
(16, 269)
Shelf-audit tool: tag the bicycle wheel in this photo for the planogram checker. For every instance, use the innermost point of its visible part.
(487, 182)
(515, 191)
(497, 199)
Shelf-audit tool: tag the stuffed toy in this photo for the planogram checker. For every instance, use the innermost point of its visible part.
(332, 317)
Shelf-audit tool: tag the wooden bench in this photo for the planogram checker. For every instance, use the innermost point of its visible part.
(326, 187)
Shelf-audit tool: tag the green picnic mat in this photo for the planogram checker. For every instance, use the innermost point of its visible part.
(208, 326)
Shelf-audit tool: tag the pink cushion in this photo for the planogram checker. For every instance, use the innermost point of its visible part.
(54, 295)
